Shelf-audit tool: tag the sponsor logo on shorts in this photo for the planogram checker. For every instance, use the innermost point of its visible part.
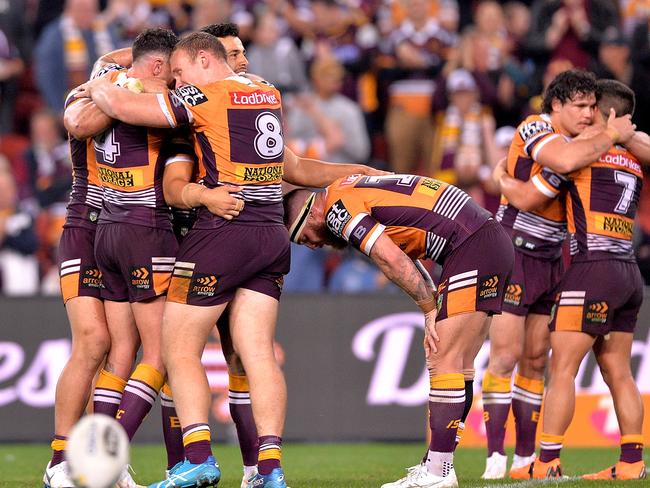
(141, 277)
(93, 216)
(91, 277)
(204, 285)
(260, 174)
(514, 293)
(191, 95)
(337, 217)
(122, 179)
(596, 312)
(615, 225)
(258, 97)
(489, 287)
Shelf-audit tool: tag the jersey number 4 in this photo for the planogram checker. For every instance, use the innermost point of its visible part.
(109, 148)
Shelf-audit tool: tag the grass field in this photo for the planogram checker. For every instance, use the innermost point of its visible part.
(318, 465)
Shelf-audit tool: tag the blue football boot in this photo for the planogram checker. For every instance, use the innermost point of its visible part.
(275, 479)
(188, 475)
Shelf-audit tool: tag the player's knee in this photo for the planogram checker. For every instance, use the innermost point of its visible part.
(614, 374)
(504, 363)
(91, 345)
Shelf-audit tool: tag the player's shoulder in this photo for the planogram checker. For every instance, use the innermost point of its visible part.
(111, 69)
(190, 95)
(534, 125)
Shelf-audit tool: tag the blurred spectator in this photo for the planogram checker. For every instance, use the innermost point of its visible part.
(554, 68)
(18, 265)
(356, 273)
(206, 12)
(418, 49)
(129, 17)
(10, 67)
(634, 13)
(568, 29)
(464, 135)
(275, 57)
(67, 49)
(307, 270)
(48, 161)
(328, 117)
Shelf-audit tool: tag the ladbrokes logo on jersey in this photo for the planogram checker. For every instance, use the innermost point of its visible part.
(258, 97)
(337, 217)
(122, 179)
(514, 292)
(141, 277)
(596, 312)
(489, 287)
(204, 285)
(260, 174)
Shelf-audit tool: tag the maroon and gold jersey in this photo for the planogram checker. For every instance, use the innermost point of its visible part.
(237, 125)
(602, 201)
(539, 233)
(86, 196)
(130, 163)
(426, 218)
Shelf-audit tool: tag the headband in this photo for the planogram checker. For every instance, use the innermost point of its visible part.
(301, 220)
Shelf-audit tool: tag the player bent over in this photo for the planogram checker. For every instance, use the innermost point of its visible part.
(600, 295)
(395, 220)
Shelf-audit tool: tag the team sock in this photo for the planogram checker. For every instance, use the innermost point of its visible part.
(172, 431)
(108, 393)
(551, 445)
(58, 445)
(196, 441)
(270, 453)
(527, 397)
(631, 448)
(139, 396)
(446, 405)
(496, 406)
(468, 374)
(239, 399)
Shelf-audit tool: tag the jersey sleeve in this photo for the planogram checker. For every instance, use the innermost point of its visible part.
(348, 219)
(176, 111)
(549, 182)
(178, 149)
(535, 135)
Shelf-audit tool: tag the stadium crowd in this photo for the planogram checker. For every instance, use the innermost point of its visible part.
(432, 87)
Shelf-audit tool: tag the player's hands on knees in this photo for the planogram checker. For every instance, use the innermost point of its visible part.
(430, 334)
(622, 126)
(221, 202)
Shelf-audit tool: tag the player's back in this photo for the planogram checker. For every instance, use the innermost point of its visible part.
(601, 206)
(426, 218)
(539, 233)
(238, 139)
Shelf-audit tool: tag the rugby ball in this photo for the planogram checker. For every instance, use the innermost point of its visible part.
(97, 451)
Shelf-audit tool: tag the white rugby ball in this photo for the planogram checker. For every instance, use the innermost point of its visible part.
(97, 451)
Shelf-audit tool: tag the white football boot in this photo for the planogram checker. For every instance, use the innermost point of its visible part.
(249, 473)
(419, 477)
(57, 476)
(495, 467)
(126, 480)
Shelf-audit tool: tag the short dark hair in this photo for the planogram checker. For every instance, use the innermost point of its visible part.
(226, 29)
(201, 41)
(567, 85)
(154, 40)
(616, 95)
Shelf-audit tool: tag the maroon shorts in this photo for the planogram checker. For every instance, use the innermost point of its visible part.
(598, 297)
(533, 285)
(213, 263)
(136, 261)
(474, 276)
(78, 270)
